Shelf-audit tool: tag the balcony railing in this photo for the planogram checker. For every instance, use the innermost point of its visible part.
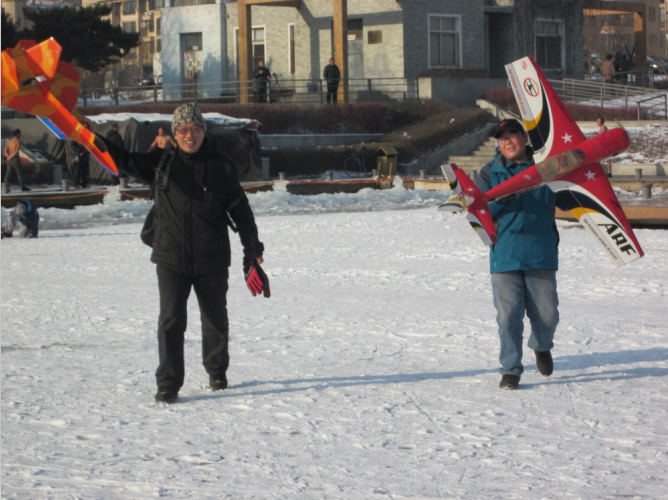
(187, 3)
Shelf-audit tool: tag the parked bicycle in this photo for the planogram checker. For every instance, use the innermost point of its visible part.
(355, 165)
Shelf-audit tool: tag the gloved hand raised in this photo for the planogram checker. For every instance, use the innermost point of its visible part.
(256, 279)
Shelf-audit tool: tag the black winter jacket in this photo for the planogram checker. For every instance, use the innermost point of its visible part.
(332, 73)
(191, 235)
(115, 138)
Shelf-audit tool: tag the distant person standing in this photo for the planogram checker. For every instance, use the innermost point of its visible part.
(625, 68)
(617, 62)
(79, 160)
(115, 138)
(333, 76)
(600, 121)
(262, 75)
(608, 69)
(11, 153)
(162, 141)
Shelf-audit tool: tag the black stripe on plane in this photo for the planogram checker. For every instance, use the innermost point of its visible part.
(589, 203)
(543, 127)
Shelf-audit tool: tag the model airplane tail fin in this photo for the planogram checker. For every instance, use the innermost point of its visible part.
(10, 79)
(468, 197)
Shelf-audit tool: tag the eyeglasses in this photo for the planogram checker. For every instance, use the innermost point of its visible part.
(196, 130)
(503, 140)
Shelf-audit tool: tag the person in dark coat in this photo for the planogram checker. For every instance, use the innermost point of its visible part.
(262, 75)
(24, 219)
(333, 77)
(115, 138)
(79, 161)
(197, 196)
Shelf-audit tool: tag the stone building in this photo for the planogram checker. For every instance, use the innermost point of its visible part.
(386, 38)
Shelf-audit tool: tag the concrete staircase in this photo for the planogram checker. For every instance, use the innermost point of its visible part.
(475, 161)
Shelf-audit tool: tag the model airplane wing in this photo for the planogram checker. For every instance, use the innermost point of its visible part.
(36, 82)
(586, 191)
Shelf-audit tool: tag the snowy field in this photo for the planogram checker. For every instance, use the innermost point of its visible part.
(371, 373)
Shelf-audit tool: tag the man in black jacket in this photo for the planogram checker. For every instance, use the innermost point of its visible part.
(196, 189)
(115, 138)
(262, 75)
(333, 76)
(79, 160)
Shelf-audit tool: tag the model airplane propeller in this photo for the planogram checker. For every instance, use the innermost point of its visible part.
(565, 161)
(35, 81)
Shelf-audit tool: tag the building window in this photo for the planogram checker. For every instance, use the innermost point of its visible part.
(258, 46)
(291, 47)
(192, 41)
(257, 51)
(355, 29)
(444, 40)
(652, 13)
(130, 27)
(375, 37)
(129, 7)
(158, 26)
(158, 45)
(151, 46)
(116, 9)
(549, 43)
(151, 26)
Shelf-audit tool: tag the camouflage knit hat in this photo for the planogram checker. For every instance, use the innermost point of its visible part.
(188, 113)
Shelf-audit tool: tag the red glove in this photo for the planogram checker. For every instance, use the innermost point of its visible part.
(256, 279)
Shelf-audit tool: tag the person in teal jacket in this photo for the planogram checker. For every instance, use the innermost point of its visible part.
(525, 259)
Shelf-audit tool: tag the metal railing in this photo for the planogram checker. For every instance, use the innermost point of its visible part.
(612, 95)
(276, 90)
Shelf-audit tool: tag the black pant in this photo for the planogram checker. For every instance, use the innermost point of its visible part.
(80, 172)
(211, 291)
(262, 90)
(14, 165)
(332, 91)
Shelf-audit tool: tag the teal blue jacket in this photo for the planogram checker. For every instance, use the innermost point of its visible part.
(526, 231)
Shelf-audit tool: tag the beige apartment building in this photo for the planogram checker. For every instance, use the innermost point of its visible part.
(137, 16)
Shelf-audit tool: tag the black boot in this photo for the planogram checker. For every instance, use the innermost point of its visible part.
(218, 383)
(166, 395)
(544, 363)
(509, 382)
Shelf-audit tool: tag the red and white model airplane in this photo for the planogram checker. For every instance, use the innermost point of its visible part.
(565, 161)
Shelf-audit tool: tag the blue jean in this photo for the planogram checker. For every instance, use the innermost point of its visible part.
(533, 292)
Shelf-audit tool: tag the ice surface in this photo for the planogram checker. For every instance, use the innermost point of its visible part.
(370, 373)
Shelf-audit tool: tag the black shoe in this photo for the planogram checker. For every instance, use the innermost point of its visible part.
(544, 363)
(509, 382)
(25, 188)
(609, 174)
(166, 395)
(218, 384)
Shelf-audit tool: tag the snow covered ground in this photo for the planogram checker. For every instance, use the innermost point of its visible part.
(370, 373)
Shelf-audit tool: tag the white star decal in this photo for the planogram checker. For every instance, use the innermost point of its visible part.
(483, 211)
(567, 138)
(470, 189)
(590, 175)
